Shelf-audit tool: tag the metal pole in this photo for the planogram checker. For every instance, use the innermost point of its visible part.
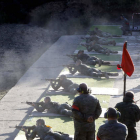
(125, 77)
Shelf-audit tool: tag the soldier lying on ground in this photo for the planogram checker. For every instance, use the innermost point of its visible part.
(67, 84)
(86, 59)
(112, 130)
(97, 48)
(99, 40)
(52, 107)
(85, 70)
(45, 132)
(102, 34)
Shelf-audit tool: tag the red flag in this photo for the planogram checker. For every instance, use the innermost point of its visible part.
(127, 63)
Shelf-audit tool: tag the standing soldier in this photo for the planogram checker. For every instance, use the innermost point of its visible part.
(112, 130)
(125, 25)
(130, 114)
(86, 108)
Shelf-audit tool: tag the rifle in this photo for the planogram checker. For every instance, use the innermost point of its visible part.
(30, 103)
(50, 79)
(72, 56)
(70, 65)
(29, 128)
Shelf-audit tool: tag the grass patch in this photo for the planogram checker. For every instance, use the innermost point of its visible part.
(106, 68)
(96, 82)
(114, 30)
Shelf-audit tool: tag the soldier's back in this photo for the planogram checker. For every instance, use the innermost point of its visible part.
(112, 130)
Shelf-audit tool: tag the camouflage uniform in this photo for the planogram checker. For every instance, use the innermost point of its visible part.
(97, 48)
(125, 26)
(112, 130)
(46, 133)
(85, 70)
(54, 107)
(130, 114)
(100, 40)
(85, 105)
(86, 59)
(67, 84)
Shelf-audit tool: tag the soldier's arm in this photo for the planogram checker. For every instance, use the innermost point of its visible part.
(32, 135)
(98, 111)
(39, 108)
(76, 112)
(137, 114)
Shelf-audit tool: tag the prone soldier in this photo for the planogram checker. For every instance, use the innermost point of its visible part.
(99, 40)
(67, 84)
(45, 132)
(86, 59)
(97, 48)
(85, 70)
(112, 130)
(52, 107)
(130, 114)
(86, 108)
(102, 34)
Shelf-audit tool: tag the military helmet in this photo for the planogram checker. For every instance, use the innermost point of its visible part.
(112, 113)
(63, 76)
(48, 98)
(130, 94)
(41, 121)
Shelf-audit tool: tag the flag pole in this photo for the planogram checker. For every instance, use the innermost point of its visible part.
(125, 76)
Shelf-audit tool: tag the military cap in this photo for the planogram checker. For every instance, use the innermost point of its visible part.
(83, 88)
(48, 98)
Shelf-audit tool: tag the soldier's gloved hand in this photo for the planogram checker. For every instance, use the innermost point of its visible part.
(90, 119)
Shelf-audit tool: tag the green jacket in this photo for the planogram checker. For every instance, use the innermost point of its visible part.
(130, 112)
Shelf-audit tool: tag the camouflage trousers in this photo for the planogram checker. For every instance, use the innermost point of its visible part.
(98, 73)
(91, 61)
(57, 136)
(65, 109)
(104, 42)
(84, 135)
(132, 133)
(73, 88)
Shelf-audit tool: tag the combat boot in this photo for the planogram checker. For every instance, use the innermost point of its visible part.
(113, 74)
(105, 62)
(99, 62)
